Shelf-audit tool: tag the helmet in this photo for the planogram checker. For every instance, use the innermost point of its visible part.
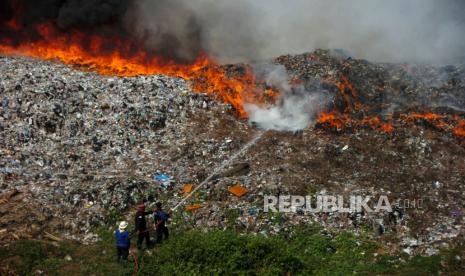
(123, 225)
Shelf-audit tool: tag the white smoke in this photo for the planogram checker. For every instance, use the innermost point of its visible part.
(388, 31)
(295, 109)
(245, 30)
(423, 31)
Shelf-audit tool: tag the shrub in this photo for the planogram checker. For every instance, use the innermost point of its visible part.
(303, 251)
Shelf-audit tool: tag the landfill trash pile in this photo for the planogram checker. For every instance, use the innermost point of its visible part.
(80, 147)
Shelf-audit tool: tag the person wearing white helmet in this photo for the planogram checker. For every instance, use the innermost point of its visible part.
(123, 242)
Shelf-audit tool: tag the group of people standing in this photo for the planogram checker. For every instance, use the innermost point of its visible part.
(123, 237)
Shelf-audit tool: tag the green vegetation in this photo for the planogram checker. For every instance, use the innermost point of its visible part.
(306, 251)
(231, 217)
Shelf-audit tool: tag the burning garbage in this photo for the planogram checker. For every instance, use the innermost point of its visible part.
(88, 113)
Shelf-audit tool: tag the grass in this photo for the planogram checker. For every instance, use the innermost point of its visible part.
(304, 251)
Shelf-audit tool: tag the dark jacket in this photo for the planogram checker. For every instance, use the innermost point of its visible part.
(122, 239)
(140, 222)
(160, 217)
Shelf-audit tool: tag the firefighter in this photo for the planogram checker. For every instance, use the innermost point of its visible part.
(141, 227)
(123, 242)
(160, 218)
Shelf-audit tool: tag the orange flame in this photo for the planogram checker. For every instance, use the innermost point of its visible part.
(426, 116)
(206, 75)
(345, 85)
(339, 122)
(459, 130)
(332, 120)
(347, 92)
(436, 120)
(376, 124)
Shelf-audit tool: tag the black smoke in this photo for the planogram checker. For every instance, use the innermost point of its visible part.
(244, 30)
(78, 14)
(89, 14)
(112, 20)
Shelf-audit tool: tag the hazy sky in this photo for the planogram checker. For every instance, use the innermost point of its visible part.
(394, 30)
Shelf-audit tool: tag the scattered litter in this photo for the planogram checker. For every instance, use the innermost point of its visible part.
(253, 211)
(437, 184)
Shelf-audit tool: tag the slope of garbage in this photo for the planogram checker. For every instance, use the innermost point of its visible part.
(78, 148)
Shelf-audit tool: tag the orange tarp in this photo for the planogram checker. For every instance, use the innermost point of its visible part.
(238, 190)
(187, 188)
(193, 207)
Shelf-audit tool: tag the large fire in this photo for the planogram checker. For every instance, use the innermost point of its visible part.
(206, 75)
(116, 57)
(342, 121)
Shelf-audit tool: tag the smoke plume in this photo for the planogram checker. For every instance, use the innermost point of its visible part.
(247, 30)
(296, 107)
(243, 30)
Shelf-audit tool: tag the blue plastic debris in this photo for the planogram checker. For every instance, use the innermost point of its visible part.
(253, 211)
(162, 178)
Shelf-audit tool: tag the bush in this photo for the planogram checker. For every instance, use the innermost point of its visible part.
(226, 252)
(31, 254)
(304, 251)
(223, 252)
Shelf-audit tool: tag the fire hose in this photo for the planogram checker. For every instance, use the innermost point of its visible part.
(220, 168)
(133, 253)
(210, 177)
(136, 263)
